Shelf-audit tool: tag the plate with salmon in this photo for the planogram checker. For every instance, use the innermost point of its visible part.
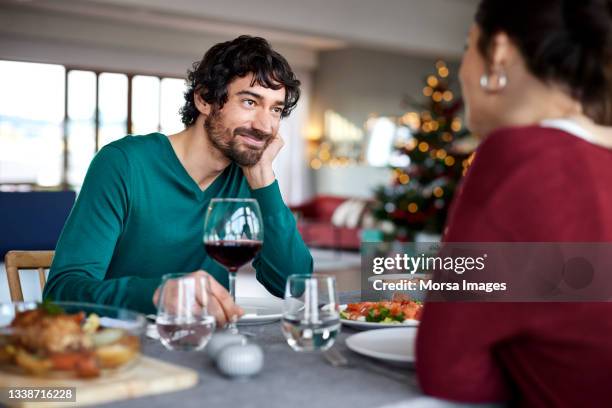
(377, 315)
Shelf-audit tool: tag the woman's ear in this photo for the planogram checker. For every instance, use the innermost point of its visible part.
(202, 106)
(501, 52)
(500, 57)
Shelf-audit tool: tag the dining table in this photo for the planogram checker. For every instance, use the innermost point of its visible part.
(288, 378)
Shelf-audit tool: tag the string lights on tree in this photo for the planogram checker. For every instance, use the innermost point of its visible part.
(434, 159)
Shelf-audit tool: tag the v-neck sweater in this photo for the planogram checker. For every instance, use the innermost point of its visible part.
(140, 215)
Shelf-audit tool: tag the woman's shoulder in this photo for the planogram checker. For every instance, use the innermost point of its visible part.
(527, 150)
(523, 177)
(519, 141)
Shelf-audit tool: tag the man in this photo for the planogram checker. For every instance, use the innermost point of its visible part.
(141, 210)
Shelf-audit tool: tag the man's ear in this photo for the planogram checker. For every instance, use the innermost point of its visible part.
(201, 105)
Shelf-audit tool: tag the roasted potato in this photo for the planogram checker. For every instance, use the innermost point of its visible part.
(119, 353)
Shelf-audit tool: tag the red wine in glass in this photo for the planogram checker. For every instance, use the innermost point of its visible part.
(233, 253)
(233, 235)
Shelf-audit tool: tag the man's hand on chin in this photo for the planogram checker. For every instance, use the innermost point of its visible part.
(261, 175)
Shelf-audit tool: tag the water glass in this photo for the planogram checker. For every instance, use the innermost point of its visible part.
(183, 322)
(311, 318)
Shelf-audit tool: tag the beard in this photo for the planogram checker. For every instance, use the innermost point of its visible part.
(225, 140)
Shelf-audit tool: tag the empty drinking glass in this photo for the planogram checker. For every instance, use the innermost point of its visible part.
(183, 322)
(311, 320)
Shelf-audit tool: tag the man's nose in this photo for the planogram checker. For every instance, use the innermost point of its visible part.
(263, 121)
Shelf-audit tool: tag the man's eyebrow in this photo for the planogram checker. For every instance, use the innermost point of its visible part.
(258, 97)
(253, 94)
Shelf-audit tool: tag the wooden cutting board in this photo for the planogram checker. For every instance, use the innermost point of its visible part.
(147, 377)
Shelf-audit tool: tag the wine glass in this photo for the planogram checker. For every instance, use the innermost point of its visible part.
(311, 319)
(182, 321)
(233, 235)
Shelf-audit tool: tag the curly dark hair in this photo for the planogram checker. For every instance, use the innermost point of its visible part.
(235, 59)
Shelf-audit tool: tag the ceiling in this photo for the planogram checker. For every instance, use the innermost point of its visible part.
(415, 27)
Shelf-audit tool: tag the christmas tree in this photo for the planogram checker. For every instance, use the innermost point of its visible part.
(428, 163)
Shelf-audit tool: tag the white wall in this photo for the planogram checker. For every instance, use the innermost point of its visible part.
(350, 181)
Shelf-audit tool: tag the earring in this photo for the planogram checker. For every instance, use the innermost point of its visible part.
(495, 82)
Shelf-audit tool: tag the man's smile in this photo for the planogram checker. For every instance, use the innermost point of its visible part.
(252, 140)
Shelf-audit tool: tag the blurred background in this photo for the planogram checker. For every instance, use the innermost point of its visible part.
(373, 151)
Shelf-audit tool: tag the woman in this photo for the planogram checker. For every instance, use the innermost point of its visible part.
(537, 82)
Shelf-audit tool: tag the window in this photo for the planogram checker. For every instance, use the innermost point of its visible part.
(44, 107)
(145, 104)
(172, 99)
(81, 127)
(31, 120)
(382, 132)
(113, 107)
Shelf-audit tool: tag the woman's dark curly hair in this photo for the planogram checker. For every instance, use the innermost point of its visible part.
(235, 59)
(563, 41)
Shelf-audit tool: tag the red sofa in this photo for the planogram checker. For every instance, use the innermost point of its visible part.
(314, 220)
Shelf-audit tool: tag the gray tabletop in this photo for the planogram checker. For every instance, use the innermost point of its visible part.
(288, 379)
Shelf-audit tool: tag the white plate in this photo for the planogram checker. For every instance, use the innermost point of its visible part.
(260, 310)
(257, 310)
(395, 345)
(362, 325)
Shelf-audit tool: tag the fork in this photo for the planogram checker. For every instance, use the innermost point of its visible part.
(338, 360)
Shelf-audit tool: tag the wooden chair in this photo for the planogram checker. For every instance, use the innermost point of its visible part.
(16, 260)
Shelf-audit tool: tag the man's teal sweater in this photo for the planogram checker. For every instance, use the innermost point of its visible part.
(140, 215)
